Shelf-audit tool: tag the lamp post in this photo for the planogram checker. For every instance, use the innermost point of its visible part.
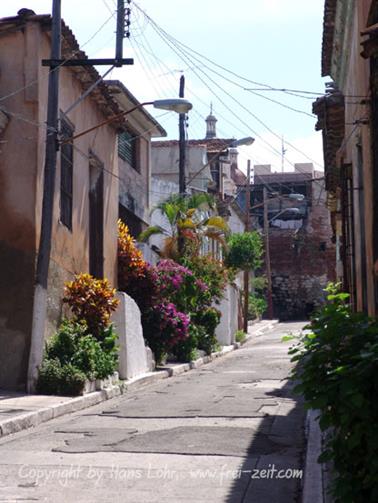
(178, 105)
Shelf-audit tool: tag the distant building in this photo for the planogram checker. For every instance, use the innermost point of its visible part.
(301, 249)
(211, 162)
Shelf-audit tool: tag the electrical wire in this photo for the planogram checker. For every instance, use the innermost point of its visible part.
(13, 93)
(242, 106)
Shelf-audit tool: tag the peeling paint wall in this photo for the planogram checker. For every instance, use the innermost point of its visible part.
(21, 189)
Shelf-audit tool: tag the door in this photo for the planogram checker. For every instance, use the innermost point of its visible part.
(96, 218)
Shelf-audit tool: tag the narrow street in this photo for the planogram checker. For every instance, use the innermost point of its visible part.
(228, 432)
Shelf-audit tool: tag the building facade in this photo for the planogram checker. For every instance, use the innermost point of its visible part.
(134, 159)
(302, 253)
(348, 118)
(84, 234)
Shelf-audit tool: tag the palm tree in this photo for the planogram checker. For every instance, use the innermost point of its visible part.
(189, 223)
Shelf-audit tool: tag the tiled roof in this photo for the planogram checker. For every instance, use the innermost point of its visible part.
(212, 144)
(328, 35)
(70, 49)
(238, 176)
(330, 110)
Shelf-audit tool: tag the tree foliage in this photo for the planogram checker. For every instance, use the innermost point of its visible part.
(189, 223)
(244, 251)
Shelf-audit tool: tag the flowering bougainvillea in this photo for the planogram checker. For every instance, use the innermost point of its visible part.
(178, 284)
(164, 328)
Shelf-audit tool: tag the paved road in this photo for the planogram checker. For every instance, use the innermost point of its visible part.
(230, 432)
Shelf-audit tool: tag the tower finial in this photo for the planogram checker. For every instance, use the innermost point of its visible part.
(210, 124)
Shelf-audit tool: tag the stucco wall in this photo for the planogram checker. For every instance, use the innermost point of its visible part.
(352, 74)
(21, 188)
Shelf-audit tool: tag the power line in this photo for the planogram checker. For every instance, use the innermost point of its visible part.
(172, 41)
(2, 98)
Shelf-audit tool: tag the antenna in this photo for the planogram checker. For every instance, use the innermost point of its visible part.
(283, 152)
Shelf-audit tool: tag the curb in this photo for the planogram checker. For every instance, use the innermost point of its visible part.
(263, 329)
(312, 489)
(34, 418)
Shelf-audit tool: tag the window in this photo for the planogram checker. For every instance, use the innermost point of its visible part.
(66, 175)
(128, 148)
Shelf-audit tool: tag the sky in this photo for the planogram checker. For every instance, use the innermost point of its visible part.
(228, 52)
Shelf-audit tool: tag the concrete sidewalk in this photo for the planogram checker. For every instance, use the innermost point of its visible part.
(19, 411)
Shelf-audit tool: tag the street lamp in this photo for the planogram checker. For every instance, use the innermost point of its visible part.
(178, 105)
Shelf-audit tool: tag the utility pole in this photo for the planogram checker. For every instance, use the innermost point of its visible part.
(182, 118)
(43, 259)
(52, 146)
(247, 226)
(267, 256)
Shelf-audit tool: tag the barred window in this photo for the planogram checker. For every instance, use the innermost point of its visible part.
(66, 175)
(128, 148)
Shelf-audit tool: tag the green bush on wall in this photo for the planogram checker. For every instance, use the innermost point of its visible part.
(72, 356)
(337, 369)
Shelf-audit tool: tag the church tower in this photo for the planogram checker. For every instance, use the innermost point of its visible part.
(211, 125)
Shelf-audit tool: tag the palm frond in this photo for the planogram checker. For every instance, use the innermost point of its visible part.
(150, 231)
(217, 222)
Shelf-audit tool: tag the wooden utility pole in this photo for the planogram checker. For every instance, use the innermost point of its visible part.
(182, 118)
(43, 259)
(52, 126)
(247, 228)
(267, 256)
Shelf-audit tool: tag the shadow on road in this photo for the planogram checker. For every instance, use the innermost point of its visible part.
(273, 470)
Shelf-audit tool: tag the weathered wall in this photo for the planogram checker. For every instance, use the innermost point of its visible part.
(21, 189)
(351, 73)
(17, 205)
(302, 262)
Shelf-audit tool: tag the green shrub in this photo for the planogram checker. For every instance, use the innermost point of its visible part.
(257, 305)
(72, 355)
(337, 368)
(244, 251)
(186, 349)
(240, 336)
(259, 283)
(212, 272)
(206, 322)
(57, 379)
(63, 344)
(49, 378)
(72, 380)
